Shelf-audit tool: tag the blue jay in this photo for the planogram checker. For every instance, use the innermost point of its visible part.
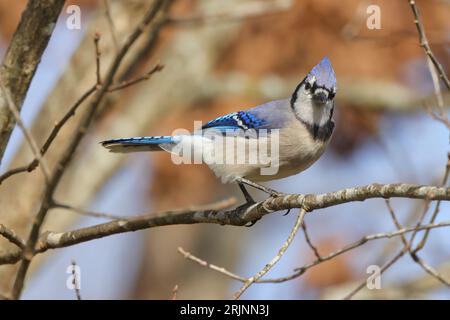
(303, 122)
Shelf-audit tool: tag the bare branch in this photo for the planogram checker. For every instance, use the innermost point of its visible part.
(73, 144)
(388, 264)
(11, 236)
(23, 56)
(436, 208)
(300, 271)
(34, 163)
(277, 258)
(396, 223)
(206, 264)
(158, 67)
(86, 212)
(71, 112)
(425, 45)
(112, 27)
(10, 256)
(309, 242)
(97, 58)
(429, 269)
(28, 137)
(243, 215)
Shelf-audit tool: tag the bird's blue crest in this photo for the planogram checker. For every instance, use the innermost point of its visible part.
(324, 74)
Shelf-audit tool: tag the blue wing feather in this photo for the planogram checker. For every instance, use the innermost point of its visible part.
(243, 120)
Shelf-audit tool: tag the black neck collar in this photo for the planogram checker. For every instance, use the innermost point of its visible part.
(321, 133)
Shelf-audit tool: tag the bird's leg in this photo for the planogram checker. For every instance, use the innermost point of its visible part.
(272, 192)
(249, 202)
(247, 195)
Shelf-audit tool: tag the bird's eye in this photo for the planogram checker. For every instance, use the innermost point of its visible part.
(331, 95)
(307, 86)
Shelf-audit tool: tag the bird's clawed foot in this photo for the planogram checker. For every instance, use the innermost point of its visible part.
(252, 223)
(244, 207)
(287, 212)
(273, 193)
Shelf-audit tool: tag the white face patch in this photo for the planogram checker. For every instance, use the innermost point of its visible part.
(311, 110)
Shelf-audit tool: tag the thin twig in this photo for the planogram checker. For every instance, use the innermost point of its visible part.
(97, 58)
(425, 45)
(15, 171)
(440, 116)
(277, 258)
(158, 67)
(389, 264)
(422, 242)
(11, 236)
(86, 212)
(309, 242)
(437, 86)
(71, 112)
(395, 220)
(429, 269)
(413, 253)
(74, 143)
(112, 27)
(392, 261)
(22, 57)
(203, 263)
(28, 136)
(387, 235)
(53, 134)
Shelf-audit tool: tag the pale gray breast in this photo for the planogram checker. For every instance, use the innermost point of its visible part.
(297, 147)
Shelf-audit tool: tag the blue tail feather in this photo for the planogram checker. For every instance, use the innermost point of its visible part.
(137, 143)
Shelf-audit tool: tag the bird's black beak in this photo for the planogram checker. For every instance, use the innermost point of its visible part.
(321, 97)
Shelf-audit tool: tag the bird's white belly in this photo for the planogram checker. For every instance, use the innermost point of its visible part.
(297, 151)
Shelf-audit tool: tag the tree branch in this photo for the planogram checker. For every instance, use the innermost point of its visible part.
(300, 271)
(75, 141)
(244, 214)
(28, 137)
(275, 259)
(11, 236)
(158, 67)
(23, 56)
(426, 46)
(203, 263)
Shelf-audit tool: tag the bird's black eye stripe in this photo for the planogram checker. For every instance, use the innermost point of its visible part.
(307, 86)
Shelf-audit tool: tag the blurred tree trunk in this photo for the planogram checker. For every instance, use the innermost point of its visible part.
(23, 56)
